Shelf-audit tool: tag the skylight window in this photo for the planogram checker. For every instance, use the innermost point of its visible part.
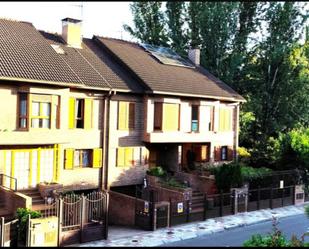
(58, 49)
(166, 55)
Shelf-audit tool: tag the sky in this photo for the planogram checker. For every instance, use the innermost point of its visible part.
(99, 18)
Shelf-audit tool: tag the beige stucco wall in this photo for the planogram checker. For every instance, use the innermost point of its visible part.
(67, 138)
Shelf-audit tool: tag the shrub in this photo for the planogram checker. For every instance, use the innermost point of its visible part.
(22, 215)
(156, 171)
(307, 210)
(172, 182)
(249, 173)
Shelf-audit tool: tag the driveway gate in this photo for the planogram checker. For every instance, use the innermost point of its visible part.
(83, 218)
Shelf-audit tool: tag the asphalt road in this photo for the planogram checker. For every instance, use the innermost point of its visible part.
(297, 225)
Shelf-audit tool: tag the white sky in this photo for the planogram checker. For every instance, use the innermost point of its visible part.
(99, 18)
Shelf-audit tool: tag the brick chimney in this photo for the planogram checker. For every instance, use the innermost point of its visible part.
(72, 32)
(194, 56)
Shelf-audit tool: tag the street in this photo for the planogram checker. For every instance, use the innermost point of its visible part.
(297, 225)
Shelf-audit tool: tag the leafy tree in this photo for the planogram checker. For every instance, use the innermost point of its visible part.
(149, 23)
(194, 21)
(175, 12)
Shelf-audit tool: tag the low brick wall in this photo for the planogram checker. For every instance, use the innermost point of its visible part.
(121, 209)
(167, 194)
(204, 184)
(14, 200)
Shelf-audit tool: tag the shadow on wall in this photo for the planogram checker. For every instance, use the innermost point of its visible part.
(131, 175)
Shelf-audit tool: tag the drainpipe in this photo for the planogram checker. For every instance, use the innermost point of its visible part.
(105, 138)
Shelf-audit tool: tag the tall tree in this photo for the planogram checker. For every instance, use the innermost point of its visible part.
(194, 21)
(175, 13)
(149, 23)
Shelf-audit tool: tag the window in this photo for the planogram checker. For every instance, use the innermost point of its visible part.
(194, 118)
(125, 156)
(82, 158)
(158, 111)
(209, 118)
(80, 113)
(40, 115)
(225, 119)
(126, 115)
(44, 111)
(202, 152)
(23, 111)
(224, 153)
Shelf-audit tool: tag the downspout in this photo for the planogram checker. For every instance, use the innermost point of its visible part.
(105, 138)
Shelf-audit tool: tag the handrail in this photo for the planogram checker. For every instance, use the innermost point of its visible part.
(13, 179)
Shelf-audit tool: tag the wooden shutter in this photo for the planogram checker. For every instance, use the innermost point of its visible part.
(71, 113)
(221, 119)
(158, 112)
(212, 112)
(230, 153)
(152, 158)
(131, 116)
(88, 114)
(123, 115)
(120, 157)
(170, 117)
(97, 158)
(217, 153)
(69, 159)
(204, 153)
(129, 156)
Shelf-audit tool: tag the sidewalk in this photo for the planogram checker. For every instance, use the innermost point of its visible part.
(130, 237)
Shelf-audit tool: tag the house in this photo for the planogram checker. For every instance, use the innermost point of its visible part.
(97, 113)
(184, 110)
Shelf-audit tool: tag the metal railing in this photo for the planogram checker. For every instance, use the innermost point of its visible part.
(8, 182)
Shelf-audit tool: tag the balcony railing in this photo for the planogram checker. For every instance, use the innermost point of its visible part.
(8, 182)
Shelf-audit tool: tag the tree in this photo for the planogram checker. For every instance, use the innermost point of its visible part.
(175, 13)
(194, 15)
(149, 23)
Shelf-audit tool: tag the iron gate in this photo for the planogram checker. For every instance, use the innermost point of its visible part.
(83, 218)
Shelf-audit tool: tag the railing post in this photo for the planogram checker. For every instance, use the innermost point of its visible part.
(271, 198)
(2, 232)
(188, 210)
(60, 215)
(259, 198)
(82, 211)
(170, 213)
(293, 194)
(221, 203)
(106, 203)
(28, 232)
(205, 206)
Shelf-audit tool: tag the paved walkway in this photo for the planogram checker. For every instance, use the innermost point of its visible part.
(130, 237)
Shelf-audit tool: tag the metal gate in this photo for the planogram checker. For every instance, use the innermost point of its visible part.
(8, 233)
(83, 218)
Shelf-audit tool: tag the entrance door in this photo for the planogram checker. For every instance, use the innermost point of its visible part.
(21, 167)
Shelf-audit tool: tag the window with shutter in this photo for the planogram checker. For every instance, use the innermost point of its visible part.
(125, 156)
(88, 114)
(158, 111)
(126, 115)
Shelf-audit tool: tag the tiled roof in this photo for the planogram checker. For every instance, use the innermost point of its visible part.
(26, 53)
(167, 78)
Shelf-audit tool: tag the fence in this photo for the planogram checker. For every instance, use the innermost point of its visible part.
(8, 233)
(211, 206)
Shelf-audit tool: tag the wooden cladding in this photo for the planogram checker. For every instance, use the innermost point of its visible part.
(126, 115)
(166, 116)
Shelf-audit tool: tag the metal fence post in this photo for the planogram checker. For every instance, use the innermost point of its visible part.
(282, 196)
(259, 198)
(221, 202)
(271, 198)
(188, 210)
(28, 232)
(60, 215)
(170, 213)
(106, 204)
(205, 206)
(2, 232)
(82, 210)
(154, 217)
(293, 194)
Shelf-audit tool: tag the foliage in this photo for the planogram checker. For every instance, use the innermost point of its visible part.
(172, 182)
(274, 239)
(148, 22)
(243, 154)
(156, 171)
(22, 215)
(307, 210)
(236, 174)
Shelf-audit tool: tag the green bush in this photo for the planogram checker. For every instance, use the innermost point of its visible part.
(249, 173)
(156, 171)
(172, 182)
(22, 215)
(307, 210)
(275, 239)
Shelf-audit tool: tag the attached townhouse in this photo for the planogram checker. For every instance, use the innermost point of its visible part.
(97, 113)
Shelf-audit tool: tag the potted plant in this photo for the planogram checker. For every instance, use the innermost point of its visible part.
(154, 175)
(46, 188)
